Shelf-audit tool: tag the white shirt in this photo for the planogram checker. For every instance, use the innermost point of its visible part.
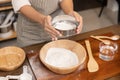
(17, 4)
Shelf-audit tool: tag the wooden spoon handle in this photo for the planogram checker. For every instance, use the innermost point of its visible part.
(96, 38)
(88, 49)
(103, 37)
(104, 41)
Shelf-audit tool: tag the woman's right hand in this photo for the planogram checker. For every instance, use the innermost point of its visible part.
(50, 29)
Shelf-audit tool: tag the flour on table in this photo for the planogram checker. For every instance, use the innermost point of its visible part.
(61, 57)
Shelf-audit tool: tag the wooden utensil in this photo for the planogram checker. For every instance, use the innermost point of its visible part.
(104, 41)
(92, 64)
(114, 37)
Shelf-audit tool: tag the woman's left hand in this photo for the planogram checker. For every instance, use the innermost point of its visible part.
(78, 19)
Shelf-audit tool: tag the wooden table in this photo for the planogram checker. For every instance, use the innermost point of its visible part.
(108, 70)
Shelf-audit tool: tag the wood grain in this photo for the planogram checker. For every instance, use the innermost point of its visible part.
(92, 64)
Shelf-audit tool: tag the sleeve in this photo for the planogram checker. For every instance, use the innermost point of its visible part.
(17, 4)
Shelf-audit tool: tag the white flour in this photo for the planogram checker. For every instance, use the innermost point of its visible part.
(61, 57)
(65, 26)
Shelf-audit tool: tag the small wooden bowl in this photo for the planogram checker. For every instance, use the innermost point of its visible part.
(11, 58)
(75, 47)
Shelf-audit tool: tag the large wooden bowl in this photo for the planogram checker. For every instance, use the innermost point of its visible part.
(11, 58)
(75, 47)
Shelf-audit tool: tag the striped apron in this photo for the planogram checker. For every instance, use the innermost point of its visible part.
(30, 32)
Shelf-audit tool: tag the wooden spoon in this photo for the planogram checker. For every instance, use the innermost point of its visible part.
(114, 37)
(104, 41)
(92, 64)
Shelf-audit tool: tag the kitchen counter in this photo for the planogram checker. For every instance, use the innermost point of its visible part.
(107, 70)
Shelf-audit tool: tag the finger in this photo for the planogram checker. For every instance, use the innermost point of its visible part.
(49, 20)
(51, 27)
(55, 31)
(79, 28)
(54, 39)
(51, 32)
(76, 15)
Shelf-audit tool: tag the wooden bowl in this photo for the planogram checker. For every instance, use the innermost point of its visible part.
(75, 47)
(11, 58)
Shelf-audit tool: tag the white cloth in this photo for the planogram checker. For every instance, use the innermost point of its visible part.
(17, 4)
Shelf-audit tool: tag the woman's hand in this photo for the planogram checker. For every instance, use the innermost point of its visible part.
(78, 19)
(50, 29)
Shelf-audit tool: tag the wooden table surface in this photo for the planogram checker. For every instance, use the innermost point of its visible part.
(108, 70)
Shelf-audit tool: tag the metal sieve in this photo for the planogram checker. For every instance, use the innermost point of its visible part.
(66, 27)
